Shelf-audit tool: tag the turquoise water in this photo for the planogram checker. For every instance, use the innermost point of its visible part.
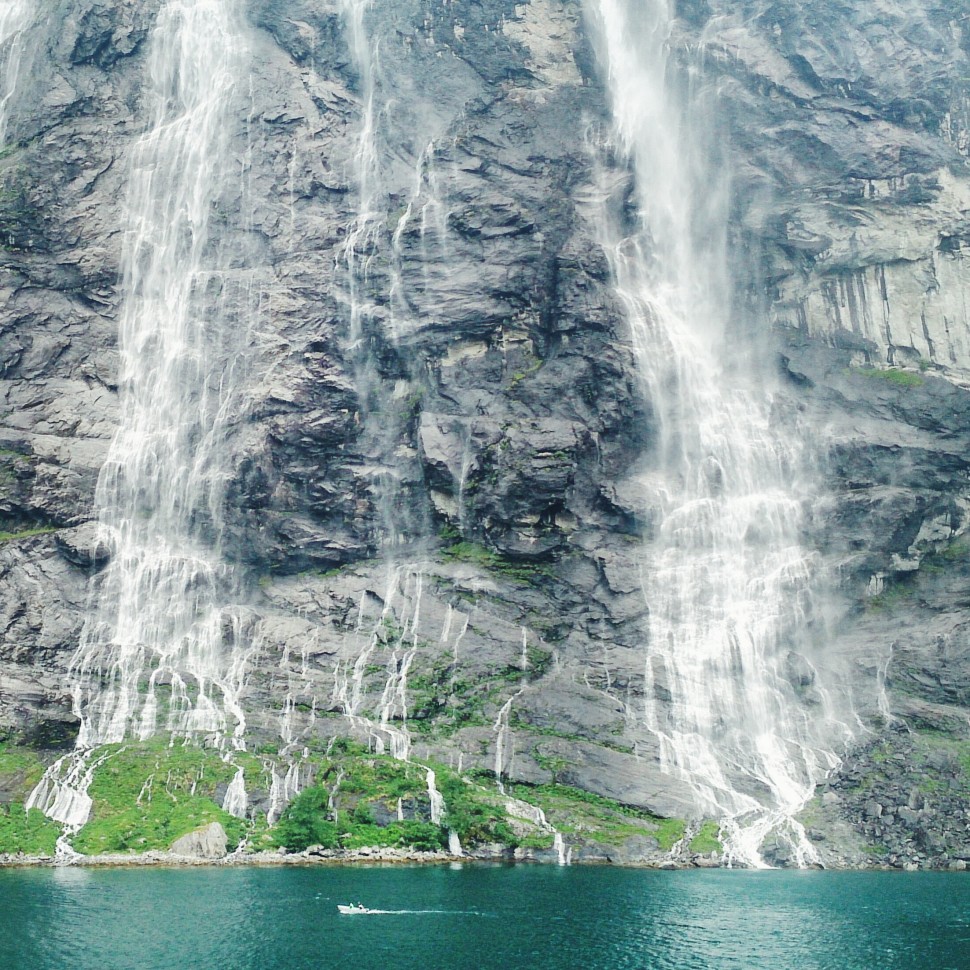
(482, 918)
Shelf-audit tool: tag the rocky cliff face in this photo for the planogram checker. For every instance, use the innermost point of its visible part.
(432, 509)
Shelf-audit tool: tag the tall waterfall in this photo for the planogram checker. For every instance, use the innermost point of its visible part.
(161, 649)
(15, 16)
(729, 588)
(366, 235)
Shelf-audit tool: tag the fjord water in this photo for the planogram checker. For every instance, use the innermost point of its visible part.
(729, 586)
(479, 918)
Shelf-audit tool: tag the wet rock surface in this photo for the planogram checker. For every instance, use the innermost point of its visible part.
(489, 418)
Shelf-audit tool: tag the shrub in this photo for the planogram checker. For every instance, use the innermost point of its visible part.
(304, 822)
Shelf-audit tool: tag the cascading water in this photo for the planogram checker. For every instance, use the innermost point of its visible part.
(15, 16)
(368, 226)
(381, 292)
(728, 585)
(161, 649)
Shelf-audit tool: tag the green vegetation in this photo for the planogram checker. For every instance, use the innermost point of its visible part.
(478, 555)
(475, 813)
(30, 832)
(893, 595)
(706, 840)
(445, 698)
(541, 840)
(26, 533)
(304, 823)
(411, 407)
(943, 763)
(20, 770)
(926, 760)
(580, 813)
(521, 375)
(893, 375)
(954, 552)
(149, 794)
(365, 791)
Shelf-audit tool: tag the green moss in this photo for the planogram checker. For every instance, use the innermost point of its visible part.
(30, 831)
(26, 533)
(893, 375)
(541, 840)
(932, 744)
(953, 552)
(521, 375)
(473, 552)
(148, 794)
(598, 819)
(383, 778)
(892, 596)
(706, 840)
(669, 832)
(442, 703)
(881, 754)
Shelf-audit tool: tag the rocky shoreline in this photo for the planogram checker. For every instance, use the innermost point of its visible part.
(382, 855)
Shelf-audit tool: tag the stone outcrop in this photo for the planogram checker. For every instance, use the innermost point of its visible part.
(205, 843)
(435, 525)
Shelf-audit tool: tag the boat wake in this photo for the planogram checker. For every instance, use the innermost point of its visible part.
(412, 912)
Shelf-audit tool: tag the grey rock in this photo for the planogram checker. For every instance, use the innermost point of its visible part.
(493, 401)
(205, 843)
(83, 546)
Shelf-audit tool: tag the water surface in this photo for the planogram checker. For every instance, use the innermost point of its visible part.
(481, 918)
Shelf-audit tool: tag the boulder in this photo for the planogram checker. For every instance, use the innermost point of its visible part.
(208, 842)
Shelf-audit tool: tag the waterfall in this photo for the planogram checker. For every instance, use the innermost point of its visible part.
(564, 853)
(503, 736)
(159, 634)
(15, 16)
(729, 588)
(382, 302)
(436, 798)
(368, 226)
(366, 235)
(519, 809)
(236, 801)
(454, 844)
(160, 649)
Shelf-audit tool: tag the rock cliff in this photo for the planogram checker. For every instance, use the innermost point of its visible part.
(431, 505)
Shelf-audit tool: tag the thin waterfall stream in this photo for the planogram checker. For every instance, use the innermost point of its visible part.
(15, 17)
(729, 586)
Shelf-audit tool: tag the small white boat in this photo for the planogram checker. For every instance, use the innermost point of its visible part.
(354, 910)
